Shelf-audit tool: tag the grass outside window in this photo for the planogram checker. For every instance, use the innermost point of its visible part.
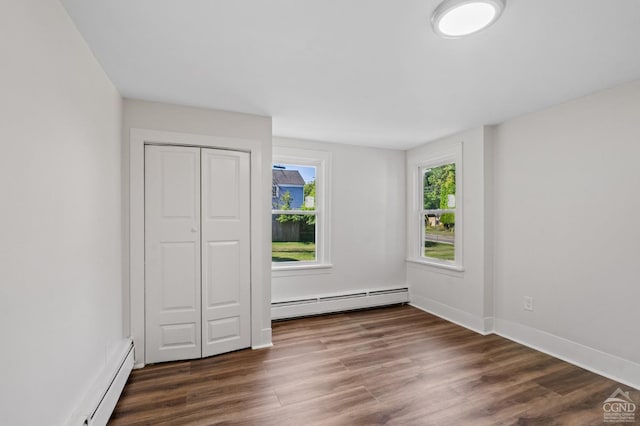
(293, 251)
(442, 251)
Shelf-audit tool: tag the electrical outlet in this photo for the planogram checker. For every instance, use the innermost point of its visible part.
(528, 303)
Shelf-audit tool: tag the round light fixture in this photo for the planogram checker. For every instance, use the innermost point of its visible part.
(460, 18)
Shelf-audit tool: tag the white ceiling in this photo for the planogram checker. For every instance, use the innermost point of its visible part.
(368, 72)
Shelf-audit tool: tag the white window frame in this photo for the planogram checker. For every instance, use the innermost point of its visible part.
(416, 220)
(321, 160)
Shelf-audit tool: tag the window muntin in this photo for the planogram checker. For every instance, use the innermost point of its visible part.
(438, 212)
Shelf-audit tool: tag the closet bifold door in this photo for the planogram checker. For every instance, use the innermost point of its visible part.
(172, 254)
(226, 261)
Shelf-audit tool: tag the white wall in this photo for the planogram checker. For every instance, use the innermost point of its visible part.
(460, 296)
(368, 223)
(550, 212)
(60, 245)
(173, 118)
(567, 232)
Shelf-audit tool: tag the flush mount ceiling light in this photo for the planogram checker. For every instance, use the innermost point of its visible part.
(460, 18)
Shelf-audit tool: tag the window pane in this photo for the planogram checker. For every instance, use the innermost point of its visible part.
(293, 238)
(439, 185)
(294, 187)
(439, 236)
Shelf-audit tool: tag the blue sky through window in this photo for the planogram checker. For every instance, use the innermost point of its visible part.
(308, 173)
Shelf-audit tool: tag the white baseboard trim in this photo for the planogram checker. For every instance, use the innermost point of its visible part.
(613, 367)
(607, 365)
(454, 315)
(102, 398)
(317, 305)
(265, 339)
(488, 325)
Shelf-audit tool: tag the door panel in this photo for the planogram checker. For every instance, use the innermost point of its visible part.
(177, 174)
(223, 329)
(223, 180)
(226, 278)
(178, 335)
(172, 254)
(223, 263)
(177, 263)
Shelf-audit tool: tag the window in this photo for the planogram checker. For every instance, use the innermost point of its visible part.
(294, 222)
(439, 211)
(299, 216)
(437, 236)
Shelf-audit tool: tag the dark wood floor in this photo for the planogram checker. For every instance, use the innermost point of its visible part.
(395, 365)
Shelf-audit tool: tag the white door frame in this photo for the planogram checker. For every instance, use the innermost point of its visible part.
(260, 228)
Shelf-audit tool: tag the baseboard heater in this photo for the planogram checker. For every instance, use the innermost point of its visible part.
(100, 412)
(328, 303)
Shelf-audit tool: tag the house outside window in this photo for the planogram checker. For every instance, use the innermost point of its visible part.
(289, 185)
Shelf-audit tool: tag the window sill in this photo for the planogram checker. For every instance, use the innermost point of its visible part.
(306, 269)
(445, 266)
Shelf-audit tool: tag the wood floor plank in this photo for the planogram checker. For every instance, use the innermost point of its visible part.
(396, 365)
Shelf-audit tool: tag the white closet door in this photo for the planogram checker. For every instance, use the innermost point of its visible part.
(172, 254)
(226, 278)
